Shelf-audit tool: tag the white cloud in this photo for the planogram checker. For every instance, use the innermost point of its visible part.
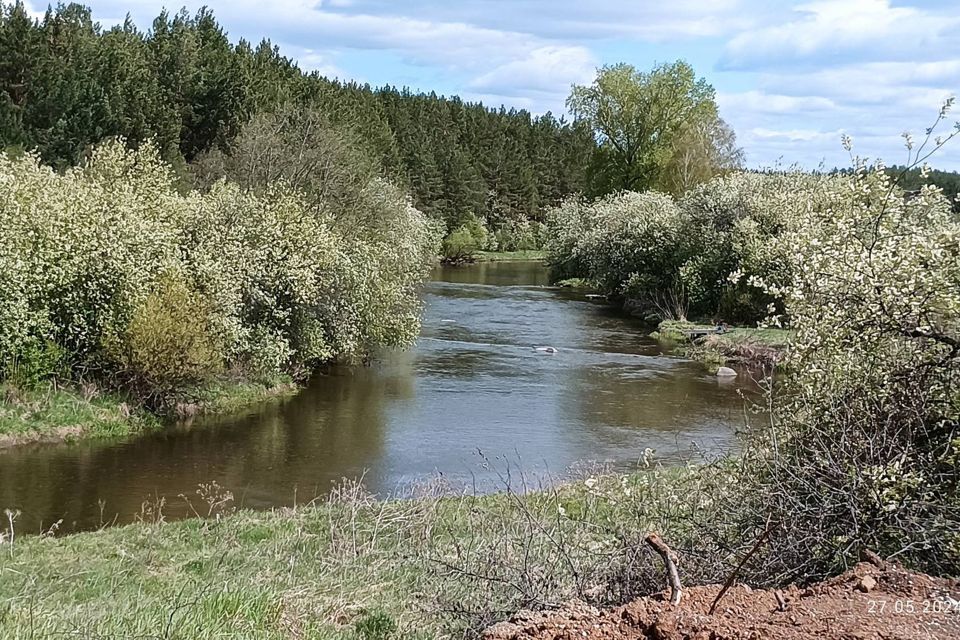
(566, 19)
(548, 69)
(323, 62)
(762, 102)
(849, 30)
(797, 135)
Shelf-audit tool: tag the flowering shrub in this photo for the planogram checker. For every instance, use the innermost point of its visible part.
(863, 444)
(863, 453)
(286, 285)
(646, 247)
(732, 229)
(566, 225)
(630, 247)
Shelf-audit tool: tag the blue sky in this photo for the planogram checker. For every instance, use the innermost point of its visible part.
(791, 77)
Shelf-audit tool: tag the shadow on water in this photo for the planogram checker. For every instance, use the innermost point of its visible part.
(473, 382)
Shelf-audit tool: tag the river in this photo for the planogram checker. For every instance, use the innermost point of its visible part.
(471, 403)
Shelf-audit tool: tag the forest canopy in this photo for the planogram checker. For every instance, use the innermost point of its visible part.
(66, 84)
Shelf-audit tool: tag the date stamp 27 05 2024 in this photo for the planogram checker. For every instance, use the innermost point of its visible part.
(925, 606)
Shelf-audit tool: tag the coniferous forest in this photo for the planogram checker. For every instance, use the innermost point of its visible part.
(66, 84)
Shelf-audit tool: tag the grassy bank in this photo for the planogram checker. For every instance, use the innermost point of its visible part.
(508, 256)
(53, 413)
(347, 567)
(749, 346)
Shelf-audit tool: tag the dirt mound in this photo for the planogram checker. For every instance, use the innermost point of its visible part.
(865, 603)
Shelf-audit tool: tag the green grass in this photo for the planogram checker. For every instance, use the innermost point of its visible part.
(739, 345)
(507, 256)
(231, 396)
(347, 567)
(674, 330)
(575, 283)
(64, 413)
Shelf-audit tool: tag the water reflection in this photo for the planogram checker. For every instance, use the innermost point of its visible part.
(473, 383)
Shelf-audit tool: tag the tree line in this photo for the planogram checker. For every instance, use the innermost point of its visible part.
(66, 84)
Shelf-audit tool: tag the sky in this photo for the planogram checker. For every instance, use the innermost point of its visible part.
(791, 77)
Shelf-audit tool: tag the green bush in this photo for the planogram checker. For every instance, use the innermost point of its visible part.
(466, 240)
(699, 254)
(862, 453)
(460, 246)
(625, 243)
(167, 346)
(33, 363)
(519, 235)
(286, 281)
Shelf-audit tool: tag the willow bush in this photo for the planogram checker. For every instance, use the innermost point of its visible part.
(284, 285)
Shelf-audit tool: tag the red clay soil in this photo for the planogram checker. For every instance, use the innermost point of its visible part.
(865, 603)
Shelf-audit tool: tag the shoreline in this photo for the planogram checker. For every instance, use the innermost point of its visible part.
(744, 346)
(533, 255)
(72, 413)
(329, 567)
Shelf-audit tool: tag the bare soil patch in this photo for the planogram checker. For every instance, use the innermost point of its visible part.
(866, 603)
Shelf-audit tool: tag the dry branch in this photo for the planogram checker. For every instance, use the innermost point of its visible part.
(670, 560)
(726, 585)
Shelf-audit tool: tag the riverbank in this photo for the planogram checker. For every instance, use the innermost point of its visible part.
(747, 346)
(429, 566)
(348, 567)
(511, 256)
(55, 413)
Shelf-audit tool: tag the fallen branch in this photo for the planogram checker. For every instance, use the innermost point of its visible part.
(670, 560)
(733, 575)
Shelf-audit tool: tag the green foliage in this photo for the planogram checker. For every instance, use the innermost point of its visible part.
(58, 411)
(697, 255)
(33, 362)
(168, 344)
(466, 240)
(520, 235)
(460, 246)
(298, 146)
(657, 130)
(276, 284)
(375, 625)
(864, 433)
(630, 250)
(913, 179)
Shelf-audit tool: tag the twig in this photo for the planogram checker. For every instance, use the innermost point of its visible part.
(733, 575)
(781, 601)
(670, 560)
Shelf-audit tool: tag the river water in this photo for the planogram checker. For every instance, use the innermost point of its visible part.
(471, 403)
